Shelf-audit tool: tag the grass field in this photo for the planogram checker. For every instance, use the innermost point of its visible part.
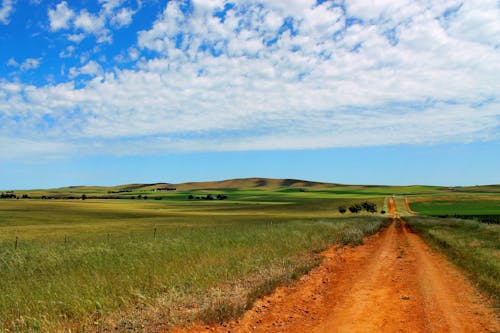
(458, 207)
(103, 263)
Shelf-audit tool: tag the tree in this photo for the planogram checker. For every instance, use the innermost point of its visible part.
(370, 207)
(355, 208)
(342, 209)
(84, 196)
(190, 197)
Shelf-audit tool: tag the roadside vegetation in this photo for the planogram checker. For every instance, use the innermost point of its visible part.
(470, 244)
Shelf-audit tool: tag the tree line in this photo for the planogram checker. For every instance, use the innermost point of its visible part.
(355, 208)
(208, 197)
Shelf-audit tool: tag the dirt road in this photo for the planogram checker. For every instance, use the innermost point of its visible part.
(392, 283)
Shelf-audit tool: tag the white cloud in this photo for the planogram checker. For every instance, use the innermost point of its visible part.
(68, 52)
(30, 63)
(88, 22)
(60, 17)
(254, 82)
(123, 18)
(108, 6)
(6, 10)
(133, 53)
(76, 38)
(12, 62)
(477, 21)
(91, 68)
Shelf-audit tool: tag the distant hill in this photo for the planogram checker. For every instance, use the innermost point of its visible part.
(239, 183)
(260, 183)
(248, 183)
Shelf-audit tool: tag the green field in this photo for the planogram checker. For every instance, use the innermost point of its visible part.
(118, 260)
(481, 208)
(457, 207)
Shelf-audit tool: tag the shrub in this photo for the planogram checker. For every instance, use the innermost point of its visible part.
(342, 209)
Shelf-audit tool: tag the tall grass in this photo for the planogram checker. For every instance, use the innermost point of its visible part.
(53, 285)
(472, 245)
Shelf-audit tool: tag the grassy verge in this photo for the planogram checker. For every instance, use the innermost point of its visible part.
(472, 245)
(210, 271)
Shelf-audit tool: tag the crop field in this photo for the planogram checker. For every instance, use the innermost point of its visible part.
(100, 264)
(461, 207)
(127, 257)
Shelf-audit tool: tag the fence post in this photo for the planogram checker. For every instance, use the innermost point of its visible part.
(16, 243)
(154, 234)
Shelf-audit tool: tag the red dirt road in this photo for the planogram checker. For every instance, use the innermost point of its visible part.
(392, 283)
(392, 205)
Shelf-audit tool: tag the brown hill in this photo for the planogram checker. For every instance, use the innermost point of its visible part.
(248, 183)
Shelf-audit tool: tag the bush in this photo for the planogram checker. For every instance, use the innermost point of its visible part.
(342, 209)
(190, 197)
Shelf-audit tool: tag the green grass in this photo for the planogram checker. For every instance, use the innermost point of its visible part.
(457, 207)
(472, 245)
(96, 264)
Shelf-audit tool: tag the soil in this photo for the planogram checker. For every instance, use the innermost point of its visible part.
(408, 208)
(392, 205)
(392, 283)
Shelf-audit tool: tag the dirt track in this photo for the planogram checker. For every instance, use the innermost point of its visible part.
(393, 283)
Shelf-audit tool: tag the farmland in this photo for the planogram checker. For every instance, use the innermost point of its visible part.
(128, 257)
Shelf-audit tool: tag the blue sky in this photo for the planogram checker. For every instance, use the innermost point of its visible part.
(117, 91)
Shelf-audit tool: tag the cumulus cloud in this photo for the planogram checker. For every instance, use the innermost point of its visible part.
(277, 75)
(88, 22)
(91, 68)
(85, 23)
(30, 63)
(6, 10)
(60, 17)
(122, 18)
